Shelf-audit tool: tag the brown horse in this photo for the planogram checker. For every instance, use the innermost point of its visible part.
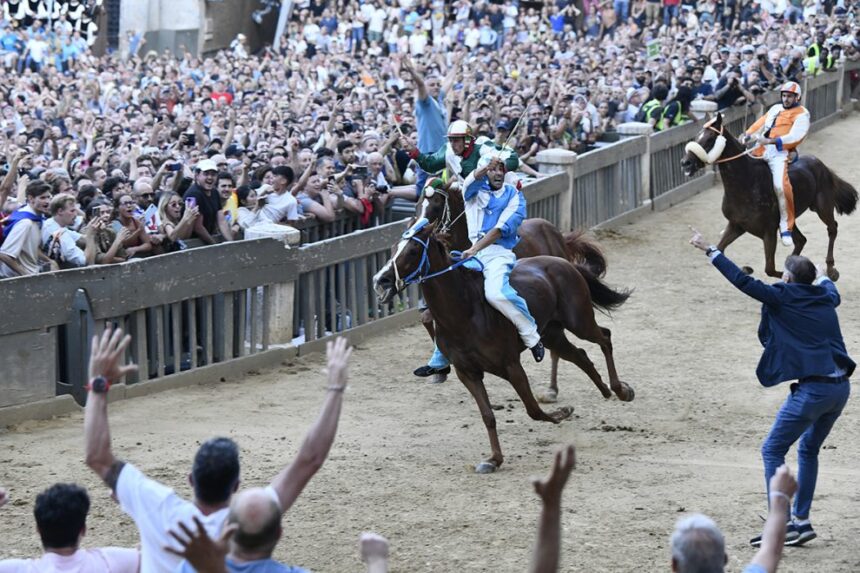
(537, 237)
(749, 201)
(477, 338)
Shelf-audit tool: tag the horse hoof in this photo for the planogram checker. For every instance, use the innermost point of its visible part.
(486, 467)
(747, 270)
(548, 396)
(833, 274)
(629, 394)
(438, 378)
(562, 413)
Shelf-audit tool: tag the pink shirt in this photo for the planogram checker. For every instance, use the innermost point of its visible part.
(101, 560)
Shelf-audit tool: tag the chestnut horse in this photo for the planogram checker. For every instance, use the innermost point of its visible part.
(477, 338)
(537, 237)
(749, 201)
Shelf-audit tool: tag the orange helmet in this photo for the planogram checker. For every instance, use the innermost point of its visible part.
(792, 88)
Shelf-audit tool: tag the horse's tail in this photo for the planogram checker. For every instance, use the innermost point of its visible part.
(582, 250)
(844, 194)
(602, 297)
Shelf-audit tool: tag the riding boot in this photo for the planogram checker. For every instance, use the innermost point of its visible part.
(784, 231)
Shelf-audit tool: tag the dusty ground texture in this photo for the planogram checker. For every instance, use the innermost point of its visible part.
(401, 465)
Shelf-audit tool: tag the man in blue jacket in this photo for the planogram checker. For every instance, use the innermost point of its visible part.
(802, 341)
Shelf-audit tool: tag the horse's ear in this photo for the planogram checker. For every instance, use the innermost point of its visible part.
(719, 121)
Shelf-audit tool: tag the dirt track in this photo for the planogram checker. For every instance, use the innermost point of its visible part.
(401, 464)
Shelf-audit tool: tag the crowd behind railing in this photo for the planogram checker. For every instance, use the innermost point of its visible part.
(139, 153)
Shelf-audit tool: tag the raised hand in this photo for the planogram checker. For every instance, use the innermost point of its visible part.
(550, 488)
(107, 357)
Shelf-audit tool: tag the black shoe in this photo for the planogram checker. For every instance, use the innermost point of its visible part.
(799, 534)
(427, 371)
(538, 351)
(791, 536)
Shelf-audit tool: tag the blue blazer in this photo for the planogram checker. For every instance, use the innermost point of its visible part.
(799, 329)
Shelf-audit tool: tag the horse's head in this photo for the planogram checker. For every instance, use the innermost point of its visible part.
(409, 263)
(706, 148)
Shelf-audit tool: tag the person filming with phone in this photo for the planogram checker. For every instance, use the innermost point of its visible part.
(202, 195)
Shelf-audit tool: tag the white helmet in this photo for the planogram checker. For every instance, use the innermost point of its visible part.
(792, 88)
(460, 128)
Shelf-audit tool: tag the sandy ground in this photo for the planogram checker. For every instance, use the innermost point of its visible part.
(401, 465)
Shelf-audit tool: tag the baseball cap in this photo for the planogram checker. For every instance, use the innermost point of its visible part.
(206, 165)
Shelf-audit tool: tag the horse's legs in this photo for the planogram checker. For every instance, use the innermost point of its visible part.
(475, 385)
(556, 340)
(769, 241)
(520, 381)
(828, 219)
(730, 235)
(799, 240)
(551, 393)
(582, 324)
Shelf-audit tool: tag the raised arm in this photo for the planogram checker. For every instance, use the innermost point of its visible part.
(782, 488)
(107, 366)
(546, 554)
(314, 450)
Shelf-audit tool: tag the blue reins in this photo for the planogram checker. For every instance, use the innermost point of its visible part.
(417, 275)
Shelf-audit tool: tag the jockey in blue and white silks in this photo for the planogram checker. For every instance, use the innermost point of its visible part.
(494, 211)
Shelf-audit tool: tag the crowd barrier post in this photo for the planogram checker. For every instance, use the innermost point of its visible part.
(552, 161)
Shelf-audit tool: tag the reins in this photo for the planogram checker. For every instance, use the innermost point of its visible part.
(733, 157)
(417, 275)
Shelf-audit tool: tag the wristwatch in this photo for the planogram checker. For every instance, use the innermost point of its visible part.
(99, 385)
(711, 250)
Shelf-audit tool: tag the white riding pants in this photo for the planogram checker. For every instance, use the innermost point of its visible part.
(778, 163)
(498, 263)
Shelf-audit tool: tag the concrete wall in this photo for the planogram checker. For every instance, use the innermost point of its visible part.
(200, 26)
(167, 23)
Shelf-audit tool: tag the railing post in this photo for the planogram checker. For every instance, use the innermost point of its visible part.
(553, 161)
(645, 195)
(280, 303)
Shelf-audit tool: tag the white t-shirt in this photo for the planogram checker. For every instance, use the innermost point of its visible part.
(155, 509)
(101, 560)
(377, 21)
(72, 255)
(280, 207)
(23, 245)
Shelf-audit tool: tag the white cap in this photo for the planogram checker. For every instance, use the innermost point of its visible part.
(206, 165)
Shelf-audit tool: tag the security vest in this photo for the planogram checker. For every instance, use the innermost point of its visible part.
(648, 108)
(677, 120)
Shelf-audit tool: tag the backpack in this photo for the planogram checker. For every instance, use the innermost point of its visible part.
(10, 221)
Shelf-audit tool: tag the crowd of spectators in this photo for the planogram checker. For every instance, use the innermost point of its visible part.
(227, 529)
(153, 152)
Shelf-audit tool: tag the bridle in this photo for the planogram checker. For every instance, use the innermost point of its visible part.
(446, 223)
(422, 271)
(713, 157)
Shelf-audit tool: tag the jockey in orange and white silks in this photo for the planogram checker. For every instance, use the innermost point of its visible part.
(782, 128)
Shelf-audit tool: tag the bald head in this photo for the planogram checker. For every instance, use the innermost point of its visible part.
(258, 517)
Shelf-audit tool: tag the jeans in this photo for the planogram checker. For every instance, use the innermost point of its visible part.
(622, 9)
(670, 12)
(808, 413)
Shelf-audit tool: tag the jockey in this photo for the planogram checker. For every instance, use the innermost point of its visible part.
(456, 160)
(494, 211)
(460, 155)
(785, 125)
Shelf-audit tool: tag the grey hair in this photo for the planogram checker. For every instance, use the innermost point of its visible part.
(698, 545)
(800, 269)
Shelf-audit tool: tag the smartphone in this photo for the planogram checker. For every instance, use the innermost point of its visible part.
(360, 171)
(174, 167)
(190, 202)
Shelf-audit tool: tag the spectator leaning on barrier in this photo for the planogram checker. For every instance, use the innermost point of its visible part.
(204, 196)
(21, 251)
(61, 520)
(62, 244)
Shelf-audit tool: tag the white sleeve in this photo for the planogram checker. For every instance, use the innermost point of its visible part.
(293, 210)
(71, 252)
(798, 130)
(139, 495)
